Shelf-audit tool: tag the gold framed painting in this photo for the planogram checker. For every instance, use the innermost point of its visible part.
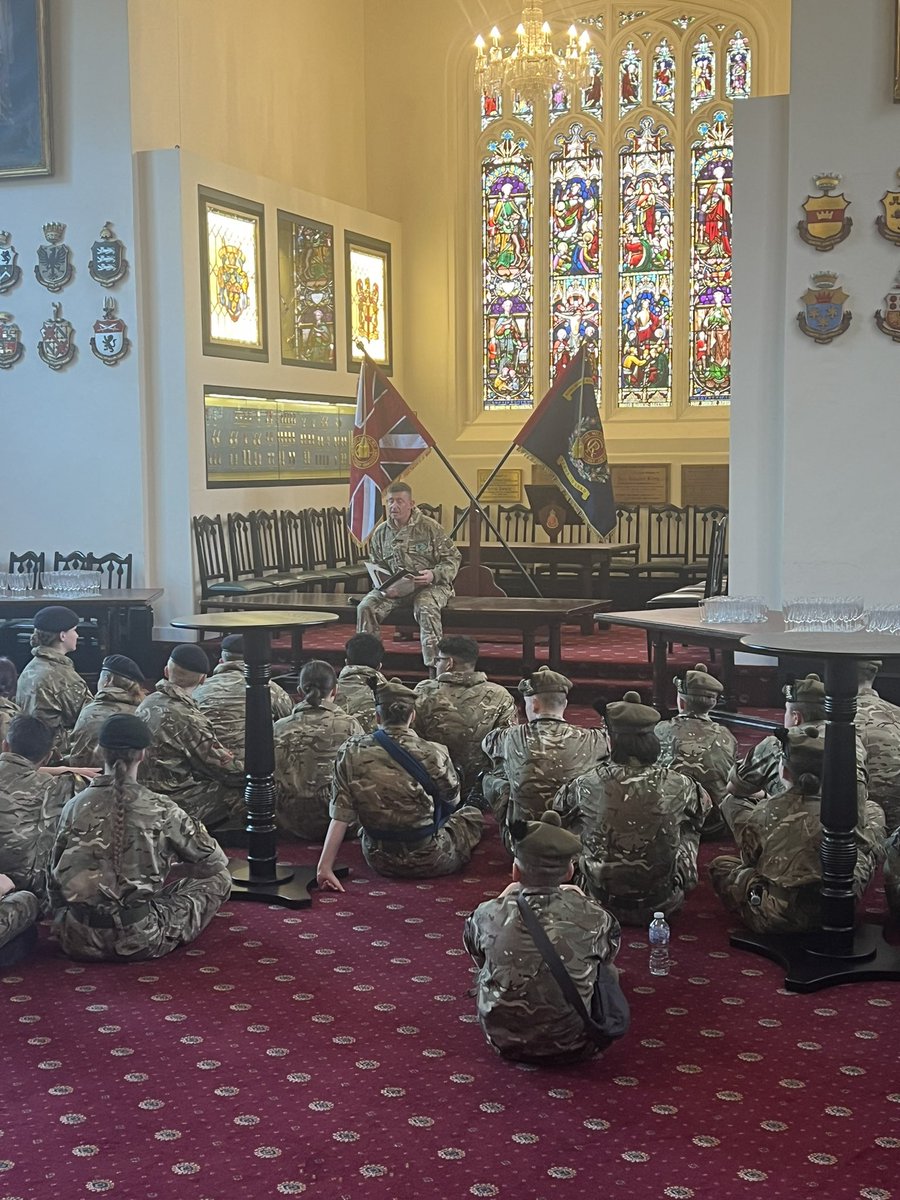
(306, 292)
(232, 276)
(25, 126)
(368, 296)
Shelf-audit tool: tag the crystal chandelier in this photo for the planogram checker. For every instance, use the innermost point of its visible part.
(532, 66)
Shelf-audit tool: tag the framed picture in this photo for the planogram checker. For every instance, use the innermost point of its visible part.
(232, 276)
(306, 291)
(25, 131)
(368, 271)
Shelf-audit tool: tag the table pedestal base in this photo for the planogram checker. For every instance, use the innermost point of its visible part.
(290, 888)
(810, 968)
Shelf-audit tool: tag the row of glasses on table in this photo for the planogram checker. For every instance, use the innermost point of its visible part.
(825, 614)
(733, 610)
(53, 583)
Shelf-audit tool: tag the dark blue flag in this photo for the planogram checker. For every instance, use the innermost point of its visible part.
(565, 434)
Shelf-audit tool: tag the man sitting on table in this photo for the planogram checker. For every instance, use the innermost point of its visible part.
(359, 678)
(223, 696)
(410, 541)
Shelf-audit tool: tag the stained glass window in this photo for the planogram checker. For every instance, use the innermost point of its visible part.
(575, 246)
(306, 279)
(507, 196)
(664, 76)
(592, 95)
(646, 180)
(630, 79)
(491, 108)
(523, 109)
(559, 100)
(711, 173)
(737, 72)
(703, 72)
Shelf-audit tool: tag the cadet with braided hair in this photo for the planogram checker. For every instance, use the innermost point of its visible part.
(116, 844)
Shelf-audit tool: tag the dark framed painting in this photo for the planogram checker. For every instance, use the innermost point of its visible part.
(368, 295)
(306, 292)
(25, 126)
(232, 276)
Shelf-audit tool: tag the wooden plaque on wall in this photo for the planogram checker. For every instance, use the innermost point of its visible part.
(505, 487)
(704, 485)
(641, 483)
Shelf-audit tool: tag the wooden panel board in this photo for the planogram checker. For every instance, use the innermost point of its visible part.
(505, 487)
(641, 483)
(704, 484)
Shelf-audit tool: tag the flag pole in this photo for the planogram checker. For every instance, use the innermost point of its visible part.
(483, 489)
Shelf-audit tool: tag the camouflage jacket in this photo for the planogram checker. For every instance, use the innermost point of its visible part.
(83, 750)
(459, 709)
(878, 723)
(8, 710)
(18, 910)
(185, 748)
(223, 699)
(539, 757)
(355, 694)
(640, 832)
(50, 688)
(520, 1006)
(781, 838)
(306, 743)
(30, 804)
(700, 748)
(420, 545)
(759, 769)
(157, 834)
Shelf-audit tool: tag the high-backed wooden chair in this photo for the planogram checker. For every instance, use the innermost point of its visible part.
(435, 511)
(268, 554)
(319, 550)
(29, 563)
(667, 543)
(213, 567)
(75, 560)
(345, 556)
(703, 519)
(115, 569)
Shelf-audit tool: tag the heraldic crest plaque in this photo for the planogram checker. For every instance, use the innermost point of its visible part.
(826, 223)
(823, 319)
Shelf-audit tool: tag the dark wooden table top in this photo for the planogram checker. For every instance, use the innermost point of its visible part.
(555, 550)
(253, 620)
(687, 621)
(511, 606)
(105, 596)
(823, 645)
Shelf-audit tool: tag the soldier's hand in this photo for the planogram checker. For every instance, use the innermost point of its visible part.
(328, 881)
(6, 885)
(423, 578)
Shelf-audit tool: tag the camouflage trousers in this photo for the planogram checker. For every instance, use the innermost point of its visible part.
(444, 854)
(892, 872)
(427, 603)
(890, 803)
(17, 912)
(211, 803)
(178, 914)
(306, 816)
(764, 906)
(628, 909)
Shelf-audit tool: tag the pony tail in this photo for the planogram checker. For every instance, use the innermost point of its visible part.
(120, 772)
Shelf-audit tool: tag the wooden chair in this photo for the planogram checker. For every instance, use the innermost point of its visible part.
(703, 519)
(268, 554)
(319, 550)
(30, 563)
(212, 563)
(667, 543)
(345, 555)
(75, 560)
(435, 511)
(17, 631)
(516, 522)
(114, 568)
(713, 583)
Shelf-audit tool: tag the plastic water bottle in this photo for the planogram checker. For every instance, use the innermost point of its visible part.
(659, 945)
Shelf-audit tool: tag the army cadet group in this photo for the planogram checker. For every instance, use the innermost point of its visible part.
(102, 796)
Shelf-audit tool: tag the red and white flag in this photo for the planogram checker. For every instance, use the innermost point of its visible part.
(387, 441)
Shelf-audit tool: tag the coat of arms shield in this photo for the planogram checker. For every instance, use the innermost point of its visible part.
(10, 271)
(888, 224)
(825, 224)
(110, 341)
(888, 318)
(11, 347)
(57, 345)
(823, 319)
(107, 265)
(54, 265)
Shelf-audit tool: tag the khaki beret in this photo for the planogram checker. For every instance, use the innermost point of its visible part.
(628, 715)
(545, 844)
(393, 689)
(804, 749)
(544, 680)
(810, 690)
(55, 618)
(698, 682)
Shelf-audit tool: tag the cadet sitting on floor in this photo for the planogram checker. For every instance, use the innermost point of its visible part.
(774, 887)
(223, 696)
(460, 708)
(357, 681)
(8, 708)
(49, 686)
(639, 822)
(185, 760)
(878, 723)
(18, 923)
(306, 744)
(120, 688)
(116, 845)
(404, 793)
(521, 1007)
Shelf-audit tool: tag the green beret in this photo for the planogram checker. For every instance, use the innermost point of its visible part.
(190, 657)
(544, 680)
(124, 732)
(234, 644)
(119, 664)
(544, 844)
(698, 682)
(804, 749)
(810, 690)
(55, 618)
(394, 689)
(628, 715)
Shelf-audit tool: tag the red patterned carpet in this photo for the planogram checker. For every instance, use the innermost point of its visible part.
(333, 1053)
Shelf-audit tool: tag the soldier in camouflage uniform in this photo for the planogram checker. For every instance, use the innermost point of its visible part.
(532, 761)
(410, 541)
(223, 697)
(639, 822)
(358, 679)
(119, 689)
(8, 706)
(306, 744)
(697, 746)
(892, 873)
(878, 723)
(116, 845)
(49, 687)
(521, 1008)
(18, 923)
(186, 761)
(460, 708)
(407, 831)
(774, 887)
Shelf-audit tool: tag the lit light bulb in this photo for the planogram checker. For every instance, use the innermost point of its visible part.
(573, 32)
(495, 35)
(585, 40)
(479, 43)
(520, 30)
(545, 28)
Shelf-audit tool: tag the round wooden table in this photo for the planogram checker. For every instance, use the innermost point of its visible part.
(261, 877)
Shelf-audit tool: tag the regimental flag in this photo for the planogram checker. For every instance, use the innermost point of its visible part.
(387, 441)
(565, 434)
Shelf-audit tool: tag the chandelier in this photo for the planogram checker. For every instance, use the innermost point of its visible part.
(532, 66)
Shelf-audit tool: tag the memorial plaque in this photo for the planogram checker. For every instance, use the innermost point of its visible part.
(263, 439)
(504, 488)
(704, 485)
(641, 483)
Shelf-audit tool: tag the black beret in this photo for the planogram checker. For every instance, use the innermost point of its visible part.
(124, 732)
(190, 657)
(119, 664)
(233, 644)
(56, 618)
